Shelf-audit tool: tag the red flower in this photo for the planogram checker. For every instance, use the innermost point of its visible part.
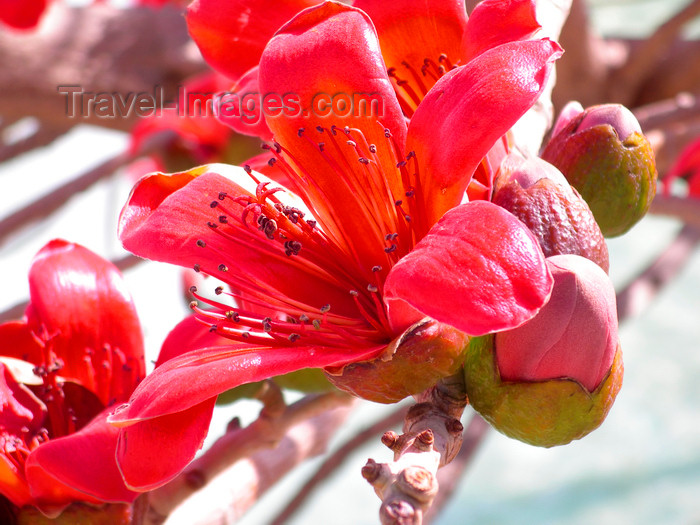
(78, 351)
(388, 245)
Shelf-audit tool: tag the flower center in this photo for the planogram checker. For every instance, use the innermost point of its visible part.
(413, 83)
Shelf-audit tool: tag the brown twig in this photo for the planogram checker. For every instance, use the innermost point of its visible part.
(450, 476)
(432, 436)
(240, 445)
(53, 200)
(639, 293)
(336, 459)
(625, 81)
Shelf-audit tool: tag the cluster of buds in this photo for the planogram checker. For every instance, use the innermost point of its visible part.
(554, 378)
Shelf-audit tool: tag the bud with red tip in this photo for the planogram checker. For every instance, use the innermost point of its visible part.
(604, 155)
(554, 378)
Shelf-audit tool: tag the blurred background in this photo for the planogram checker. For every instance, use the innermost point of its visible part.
(641, 467)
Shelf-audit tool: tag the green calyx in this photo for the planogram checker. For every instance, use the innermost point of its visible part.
(541, 413)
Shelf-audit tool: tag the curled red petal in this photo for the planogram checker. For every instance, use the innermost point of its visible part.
(495, 22)
(468, 110)
(192, 378)
(177, 438)
(80, 304)
(479, 269)
(231, 34)
(80, 466)
(341, 124)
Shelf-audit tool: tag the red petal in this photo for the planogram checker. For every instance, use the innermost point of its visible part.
(468, 110)
(192, 378)
(189, 334)
(412, 32)
(80, 466)
(176, 437)
(327, 55)
(80, 301)
(22, 412)
(231, 34)
(478, 269)
(167, 215)
(495, 22)
(22, 14)
(18, 342)
(12, 483)
(240, 108)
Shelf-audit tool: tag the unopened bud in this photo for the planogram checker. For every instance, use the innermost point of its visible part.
(604, 155)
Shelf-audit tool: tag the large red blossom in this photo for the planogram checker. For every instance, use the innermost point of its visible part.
(77, 351)
(356, 249)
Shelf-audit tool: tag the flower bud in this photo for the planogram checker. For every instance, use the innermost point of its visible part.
(554, 378)
(415, 361)
(604, 155)
(540, 196)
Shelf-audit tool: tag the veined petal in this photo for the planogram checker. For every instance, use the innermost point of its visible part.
(178, 437)
(191, 378)
(342, 126)
(495, 22)
(80, 466)
(468, 110)
(79, 302)
(231, 34)
(198, 219)
(417, 40)
(479, 269)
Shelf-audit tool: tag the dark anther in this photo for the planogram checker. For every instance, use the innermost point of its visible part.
(401, 164)
(372, 148)
(269, 229)
(363, 160)
(212, 225)
(292, 248)
(321, 146)
(372, 289)
(212, 328)
(319, 129)
(354, 293)
(267, 324)
(223, 219)
(300, 131)
(410, 193)
(410, 155)
(277, 147)
(218, 290)
(201, 243)
(233, 316)
(213, 204)
(266, 147)
(293, 337)
(387, 133)
(193, 305)
(391, 236)
(390, 249)
(311, 223)
(193, 289)
(196, 268)
(247, 170)
(317, 324)
(223, 268)
(325, 308)
(407, 217)
(271, 162)
(398, 202)
(222, 194)
(303, 318)
(245, 335)
(376, 269)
